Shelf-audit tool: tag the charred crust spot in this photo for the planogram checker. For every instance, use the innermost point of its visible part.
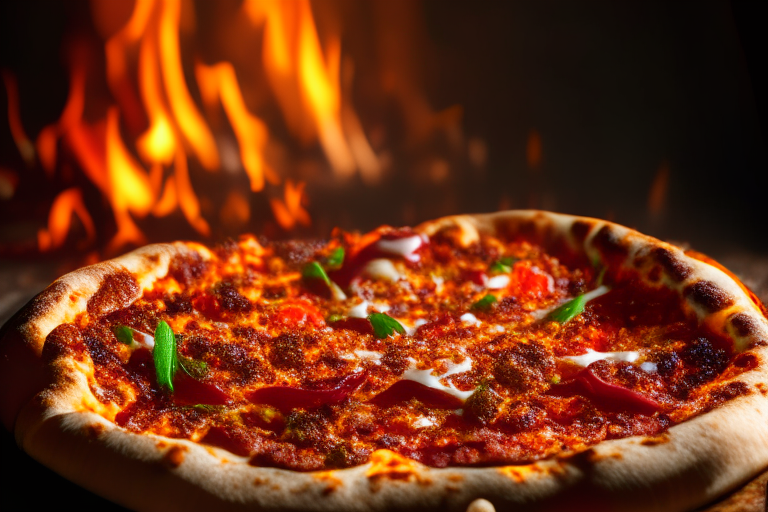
(709, 296)
(174, 456)
(65, 339)
(297, 252)
(178, 304)
(726, 393)
(677, 269)
(746, 361)
(744, 324)
(117, 291)
(662, 438)
(580, 230)
(609, 243)
(250, 335)
(654, 275)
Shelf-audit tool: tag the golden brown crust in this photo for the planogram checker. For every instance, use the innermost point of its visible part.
(56, 418)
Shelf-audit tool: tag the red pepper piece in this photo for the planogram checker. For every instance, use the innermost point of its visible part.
(605, 395)
(373, 250)
(478, 277)
(188, 391)
(361, 325)
(404, 390)
(298, 313)
(231, 440)
(285, 398)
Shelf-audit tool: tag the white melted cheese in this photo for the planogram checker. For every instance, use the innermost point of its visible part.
(591, 356)
(498, 282)
(469, 318)
(426, 378)
(404, 247)
(422, 423)
(439, 282)
(498, 328)
(649, 367)
(143, 339)
(383, 269)
(369, 355)
(359, 310)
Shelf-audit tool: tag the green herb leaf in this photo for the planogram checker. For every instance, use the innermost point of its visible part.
(124, 334)
(208, 408)
(485, 303)
(335, 317)
(193, 368)
(315, 271)
(503, 265)
(336, 259)
(164, 355)
(384, 325)
(569, 310)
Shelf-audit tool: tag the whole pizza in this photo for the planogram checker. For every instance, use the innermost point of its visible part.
(521, 360)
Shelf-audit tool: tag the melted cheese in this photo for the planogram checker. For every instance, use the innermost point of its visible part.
(591, 356)
(469, 318)
(404, 247)
(383, 269)
(426, 378)
(498, 282)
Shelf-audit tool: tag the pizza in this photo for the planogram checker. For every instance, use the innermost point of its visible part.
(519, 360)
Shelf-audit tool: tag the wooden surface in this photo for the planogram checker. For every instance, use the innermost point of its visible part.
(27, 485)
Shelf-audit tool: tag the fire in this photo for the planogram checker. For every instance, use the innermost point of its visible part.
(143, 151)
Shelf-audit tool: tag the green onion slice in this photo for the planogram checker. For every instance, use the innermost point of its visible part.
(384, 325)
(336, 259)
(164, 355)
(503, 265)
(315, 271)
(124, 334)
(485, 303)
(193, 368)
(569, 310)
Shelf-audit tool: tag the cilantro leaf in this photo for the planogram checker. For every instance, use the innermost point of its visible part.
(193, 368)
(315, 271)
(384, 325)
(336, 259)
(164, 355)
(485, 303)
(124, 334)
(569, 310)
(503, 265)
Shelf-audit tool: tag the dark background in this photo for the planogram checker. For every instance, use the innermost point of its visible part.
(615, 91)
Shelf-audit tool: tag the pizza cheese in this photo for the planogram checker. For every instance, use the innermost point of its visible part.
(452, 345)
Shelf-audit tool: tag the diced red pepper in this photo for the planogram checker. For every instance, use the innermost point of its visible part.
(298, 313)
(404, 390)
(189, 391)
(361, 325)
(285, 398)
(373, 250)
(230, 440)
(534, 283)
(478, 277)
(604, 395)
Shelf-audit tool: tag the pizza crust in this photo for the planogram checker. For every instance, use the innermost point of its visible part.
(54, 414)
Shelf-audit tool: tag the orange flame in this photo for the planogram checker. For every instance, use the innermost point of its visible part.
(66, 204)
(25, 146)
(291, 212)
(657, 195)
(190, 122)
(219, 81)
